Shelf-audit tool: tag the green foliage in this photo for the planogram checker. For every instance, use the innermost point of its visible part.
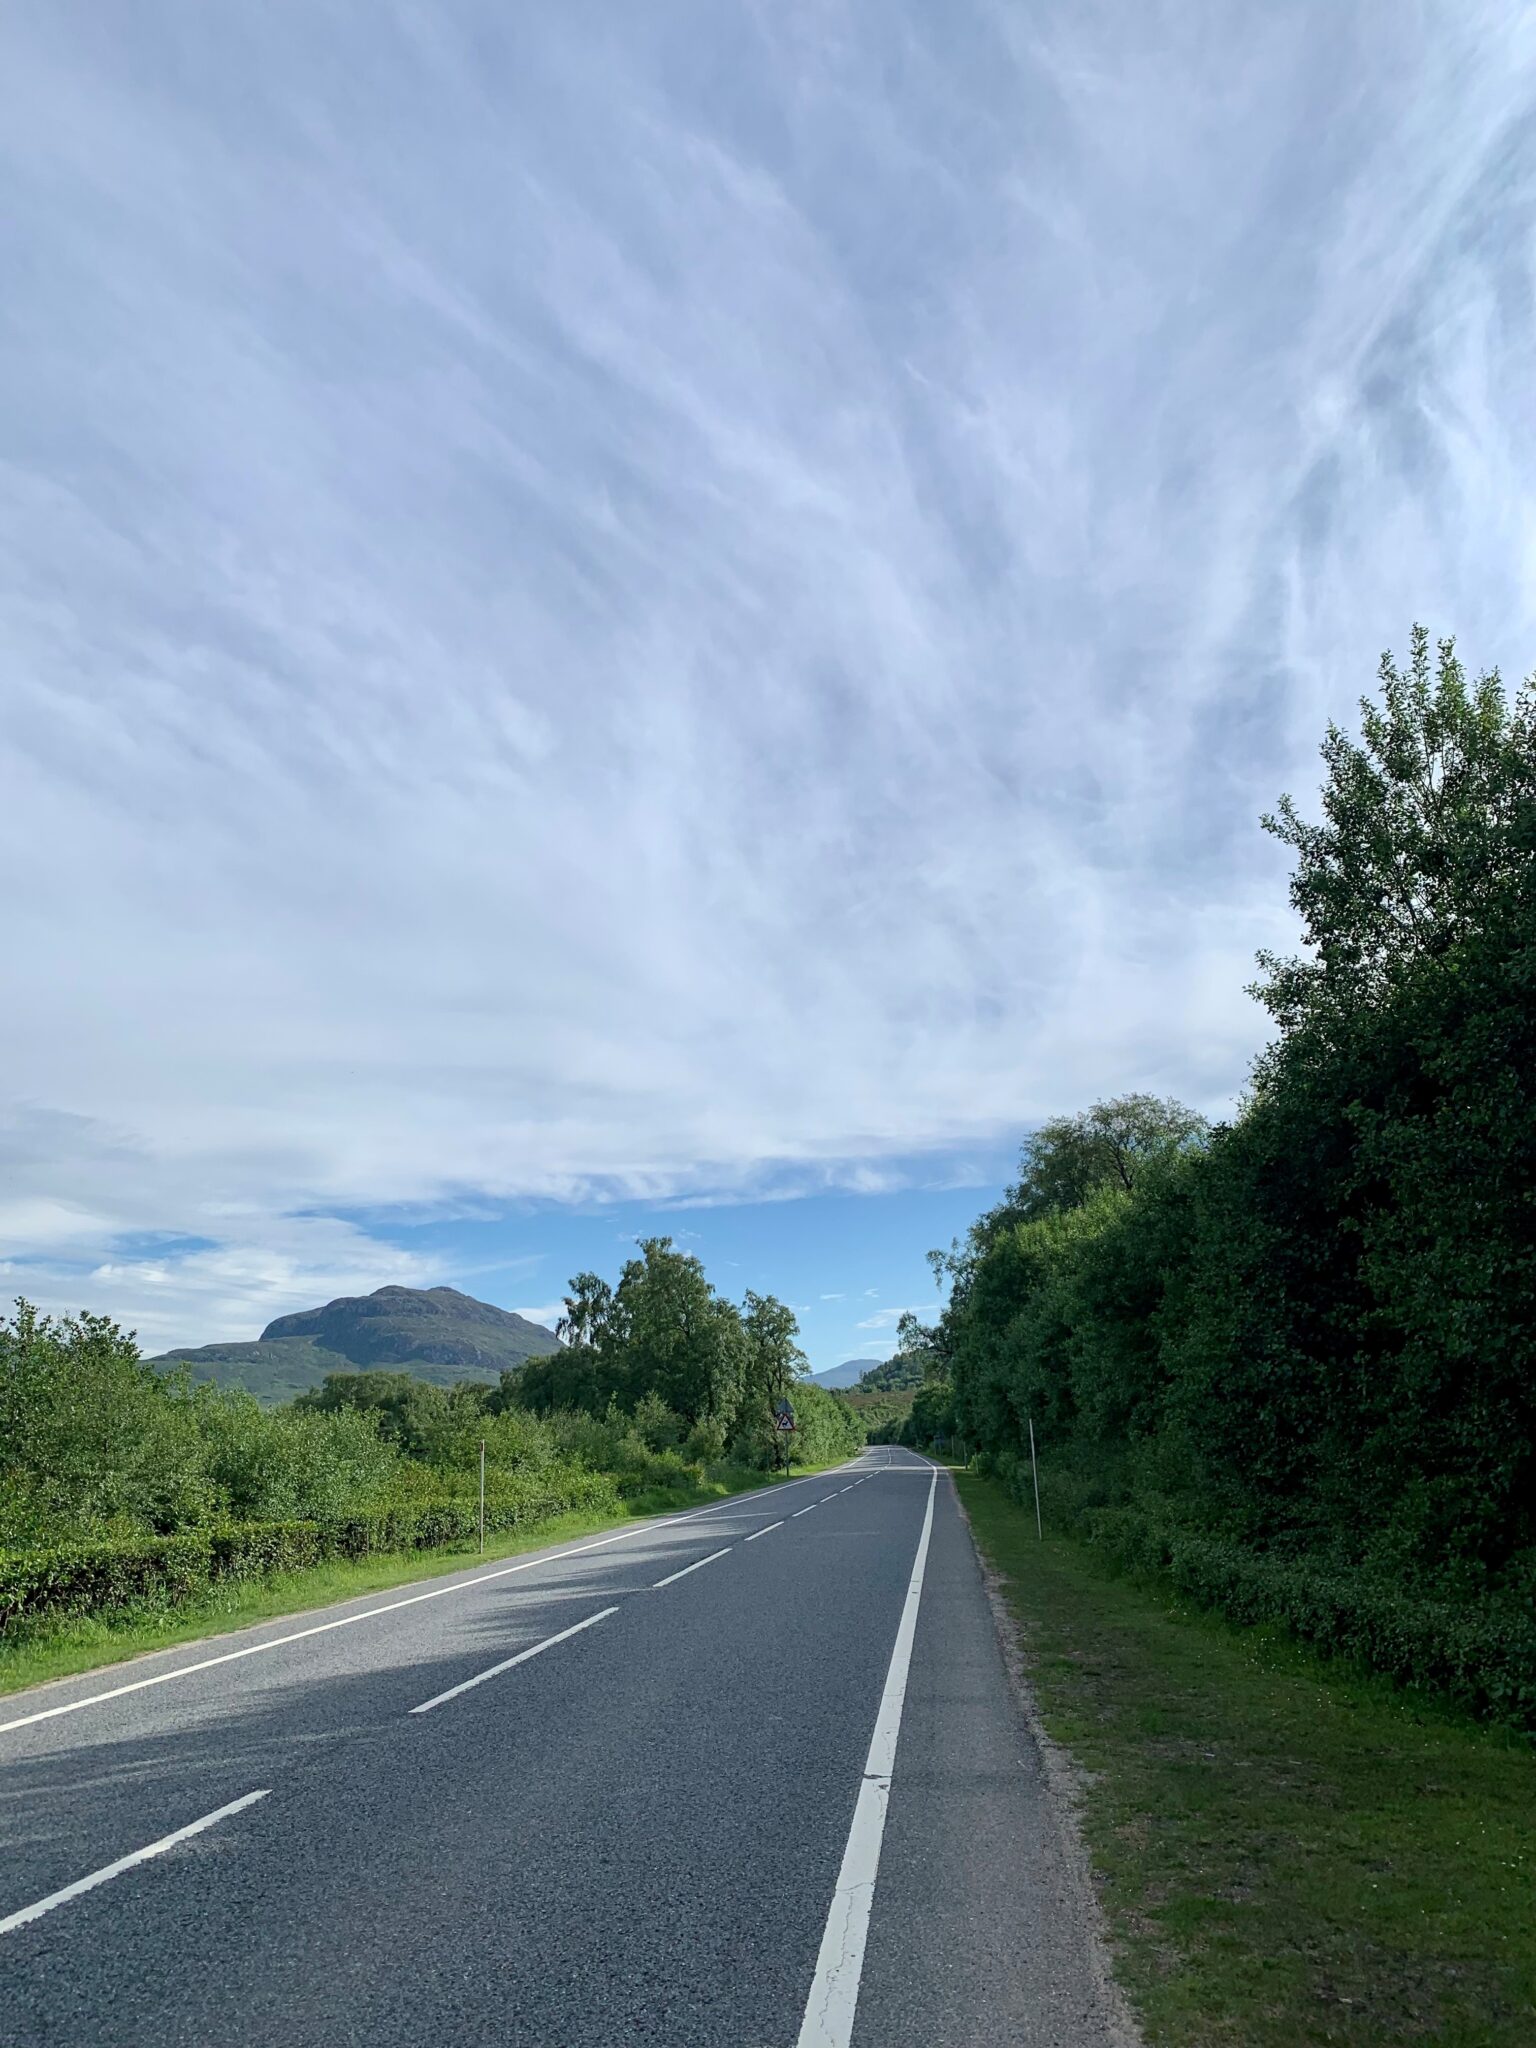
(291, 1463)
(1289, 1855)
(125, 1487)
(898, 1372)
(827, 1429)
(91, 1438)
(1298, 1349)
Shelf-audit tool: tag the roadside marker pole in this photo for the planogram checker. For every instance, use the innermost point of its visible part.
(482, 1496)
(1034, 1473)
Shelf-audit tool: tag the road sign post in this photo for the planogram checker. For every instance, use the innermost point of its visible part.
(784, 1425)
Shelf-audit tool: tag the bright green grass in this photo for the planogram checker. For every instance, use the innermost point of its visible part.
(61, 1649)
(1287, 1855)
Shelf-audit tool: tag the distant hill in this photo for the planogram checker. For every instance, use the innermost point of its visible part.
(848, 1374)
(892, 1376)
(434, 1332)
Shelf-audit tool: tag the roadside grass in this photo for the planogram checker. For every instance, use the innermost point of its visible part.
(1287, 1854)
(64, 1648)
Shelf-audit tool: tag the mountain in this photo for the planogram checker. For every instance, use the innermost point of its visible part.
(434, 1332)
(848, 1374)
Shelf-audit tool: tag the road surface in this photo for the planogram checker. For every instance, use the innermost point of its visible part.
(632, 1790)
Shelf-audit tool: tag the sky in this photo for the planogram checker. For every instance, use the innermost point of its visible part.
(679, 617)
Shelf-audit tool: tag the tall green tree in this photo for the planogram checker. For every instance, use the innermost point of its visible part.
(681, 1341)
(91, 1438)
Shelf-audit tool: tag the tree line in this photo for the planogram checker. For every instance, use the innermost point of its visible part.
(114, 1473)
(1291, 1359)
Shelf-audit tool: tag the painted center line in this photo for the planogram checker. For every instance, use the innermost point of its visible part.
(804, 1511)
(507, 1663)
(697, 1566)
(826, 1497)
(764, 1532)
(89, 1884)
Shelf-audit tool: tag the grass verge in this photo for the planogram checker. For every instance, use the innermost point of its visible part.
(1288, 1855)
(65, 1648)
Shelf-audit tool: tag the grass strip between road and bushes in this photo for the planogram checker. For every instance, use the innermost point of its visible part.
(1287, 1854)
(50, 1646)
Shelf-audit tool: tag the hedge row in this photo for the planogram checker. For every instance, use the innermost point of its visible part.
(1480, 1654)
(160, 1571)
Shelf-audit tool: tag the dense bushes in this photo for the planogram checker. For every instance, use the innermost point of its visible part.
(161, 1571)
(121, 1488)
(1291, 1363)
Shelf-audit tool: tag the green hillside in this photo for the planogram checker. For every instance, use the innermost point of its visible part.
(894, 1376)
(435, 1333)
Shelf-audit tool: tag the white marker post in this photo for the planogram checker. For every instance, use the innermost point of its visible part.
(482, 1496)
(1034, 1473)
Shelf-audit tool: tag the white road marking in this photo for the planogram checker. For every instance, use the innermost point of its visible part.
(507, 1663)
(697, 1566)
(321, 1628)
(764, 1532)
(89, 1884)
(804, 1511)
(830, 2009)
(826, 1497)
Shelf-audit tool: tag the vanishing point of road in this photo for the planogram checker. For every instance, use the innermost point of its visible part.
(752, 1777)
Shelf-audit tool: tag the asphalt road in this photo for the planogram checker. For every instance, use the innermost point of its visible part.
(657, 1829)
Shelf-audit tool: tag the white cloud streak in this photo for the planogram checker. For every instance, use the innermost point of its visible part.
(663, 601)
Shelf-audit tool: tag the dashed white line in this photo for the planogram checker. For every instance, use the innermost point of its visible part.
(804, 1511)
(111, 1870)
(320, 1628)
(830, 2009)
(764, 1532)
(697, 1566)
(507, 1663)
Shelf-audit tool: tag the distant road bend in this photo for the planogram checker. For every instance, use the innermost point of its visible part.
(751, 1777)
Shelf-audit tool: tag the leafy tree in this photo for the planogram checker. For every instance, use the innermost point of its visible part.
(903, 1369)
(773, 1365)
(1069, 1158)
(1312, 1328)
(91, 1438)
(408, 1412)
(681, 1341)
(1425, 841)
(593, 1318)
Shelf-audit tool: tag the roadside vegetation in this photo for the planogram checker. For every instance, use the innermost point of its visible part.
(1287, 1366)
(134, 1501)
(1288, 1856)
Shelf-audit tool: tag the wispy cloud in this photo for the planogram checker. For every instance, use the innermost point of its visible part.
(548, 1315)
(887, 1318)
(577, 624)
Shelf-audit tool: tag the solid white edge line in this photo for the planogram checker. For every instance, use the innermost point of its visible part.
(507, 1662)
(697, 1566)
(764, 1532)
(321, 1628)
(834, 1995)
(89, 1884)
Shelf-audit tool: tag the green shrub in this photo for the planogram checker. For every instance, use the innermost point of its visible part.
(88, 1576)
